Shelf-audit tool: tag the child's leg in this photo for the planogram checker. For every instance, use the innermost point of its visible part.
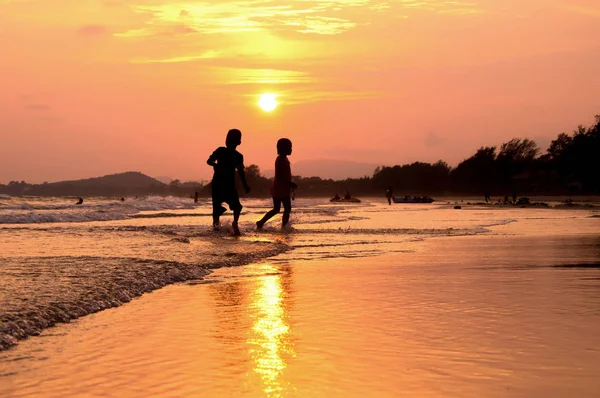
(234, 224)
(236, 214)
(218, 197)
(236, 207)
(287, 209)
(217, 210)
(275, 210)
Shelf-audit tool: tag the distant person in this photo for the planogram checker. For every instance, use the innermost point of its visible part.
(389, 194)
(225, 161)
(347, 196)
(337, 196)
(283, 186)
(195, 197)
(514, 196)
(487, 195)
(80, 201)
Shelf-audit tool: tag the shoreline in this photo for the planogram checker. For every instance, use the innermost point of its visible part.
(45, 286)
(38, 217)
(113, 285)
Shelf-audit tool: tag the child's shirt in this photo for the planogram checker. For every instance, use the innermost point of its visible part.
(283, 176)
(228, 160)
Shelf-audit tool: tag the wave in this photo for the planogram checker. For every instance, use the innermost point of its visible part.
(169, 215)
(43, 212)
(389, 231)
(499, 222)
(205, 231)
(68, 287)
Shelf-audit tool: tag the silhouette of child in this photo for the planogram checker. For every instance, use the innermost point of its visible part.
(225, 160)
(282, 187)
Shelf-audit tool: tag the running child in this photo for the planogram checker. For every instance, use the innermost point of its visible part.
(225, 160)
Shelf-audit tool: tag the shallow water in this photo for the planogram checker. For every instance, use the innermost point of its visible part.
(143, 244)
(367, 300)
(405, 324)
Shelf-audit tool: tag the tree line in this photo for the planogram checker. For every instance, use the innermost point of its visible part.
(568, 166)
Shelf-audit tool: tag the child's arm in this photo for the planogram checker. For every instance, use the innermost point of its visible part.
(242, 173)
(212, 159)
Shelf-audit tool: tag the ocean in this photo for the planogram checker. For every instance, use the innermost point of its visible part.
(351, 300)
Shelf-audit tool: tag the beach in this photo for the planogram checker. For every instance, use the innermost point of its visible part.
(355, 300)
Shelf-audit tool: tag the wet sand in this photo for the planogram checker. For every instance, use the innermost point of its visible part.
(44, 286)
(506, 314)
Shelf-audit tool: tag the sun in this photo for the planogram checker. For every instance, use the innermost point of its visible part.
(268, 102)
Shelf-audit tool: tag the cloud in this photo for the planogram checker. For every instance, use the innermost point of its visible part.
(174, 60)
(92, 30)
(320, 25)
(306, 97)
(455, 7)
(305, 17)
(265, 28)
(261, 76)
(180, 30)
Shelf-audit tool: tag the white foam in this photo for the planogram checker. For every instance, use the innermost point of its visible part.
(35, 211)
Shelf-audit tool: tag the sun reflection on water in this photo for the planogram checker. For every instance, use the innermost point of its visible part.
(269, 341)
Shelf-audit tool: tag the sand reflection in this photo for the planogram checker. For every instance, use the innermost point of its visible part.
(269, 340)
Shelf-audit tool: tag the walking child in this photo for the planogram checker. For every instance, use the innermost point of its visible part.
(225, 161)
(282, 188)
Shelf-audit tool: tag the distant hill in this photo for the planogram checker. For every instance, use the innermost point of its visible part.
(330, 169)
(123, 184)
(164, 179)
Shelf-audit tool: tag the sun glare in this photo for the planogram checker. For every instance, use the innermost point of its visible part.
(267, 102)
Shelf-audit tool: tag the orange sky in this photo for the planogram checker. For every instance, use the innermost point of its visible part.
(93, 87)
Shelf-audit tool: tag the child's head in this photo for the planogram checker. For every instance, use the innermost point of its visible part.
(284, 147)
(234, 138)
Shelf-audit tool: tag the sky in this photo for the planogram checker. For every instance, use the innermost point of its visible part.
(95, 87)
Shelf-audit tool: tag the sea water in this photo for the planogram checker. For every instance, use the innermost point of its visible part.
(352, 300)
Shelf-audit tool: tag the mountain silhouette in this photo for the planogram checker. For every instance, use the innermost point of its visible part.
(164, 179)
(123, 184)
